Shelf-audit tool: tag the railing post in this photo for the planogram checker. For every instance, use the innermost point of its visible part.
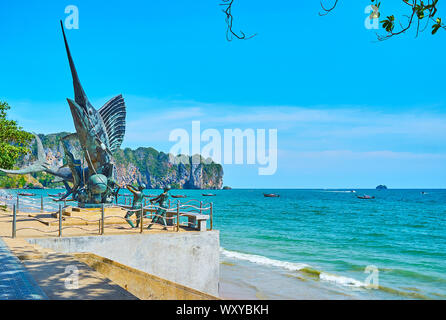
(169, 203)
(14, 220)
(60, 220)
(201, 212)
(17, 203)
(141, 218)
(102, 218)
(178, 215)
(212, 211)
(41, 203)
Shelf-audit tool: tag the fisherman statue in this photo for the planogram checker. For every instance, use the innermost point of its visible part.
(138, 196)
(160, 214)
(99, 133)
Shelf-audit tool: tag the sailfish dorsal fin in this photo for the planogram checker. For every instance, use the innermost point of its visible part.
(79, 94)
(113, 114)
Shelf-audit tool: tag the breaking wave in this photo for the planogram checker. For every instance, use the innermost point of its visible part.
(293, 266)
(263, 260)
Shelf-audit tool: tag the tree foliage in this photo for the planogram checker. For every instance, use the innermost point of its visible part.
(416, 14)
(14, 142)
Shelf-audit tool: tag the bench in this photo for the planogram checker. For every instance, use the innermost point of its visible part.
(194, 220)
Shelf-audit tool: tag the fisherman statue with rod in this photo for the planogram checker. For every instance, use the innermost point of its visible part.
(138, 196)
(161, 211)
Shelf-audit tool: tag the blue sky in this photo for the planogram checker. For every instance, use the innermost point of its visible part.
(350, 111)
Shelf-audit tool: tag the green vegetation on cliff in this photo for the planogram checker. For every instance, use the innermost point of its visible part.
(12, 181)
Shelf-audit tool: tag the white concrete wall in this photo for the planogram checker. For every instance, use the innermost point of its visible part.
(187, 258)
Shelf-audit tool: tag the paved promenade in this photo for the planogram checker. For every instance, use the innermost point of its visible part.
(15, 281)
(29, 271)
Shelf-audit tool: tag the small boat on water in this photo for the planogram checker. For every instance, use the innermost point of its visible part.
(208, 194)
(56, 195)
(365, 197)
(24, 194)
(179, 196)
(271, 195)
(66, 200)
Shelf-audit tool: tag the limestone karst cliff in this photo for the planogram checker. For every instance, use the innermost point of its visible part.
(145, 165)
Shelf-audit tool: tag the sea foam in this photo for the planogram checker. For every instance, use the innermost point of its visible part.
(344, 281)
(293, 266)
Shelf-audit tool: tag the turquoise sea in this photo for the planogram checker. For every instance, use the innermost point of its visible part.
(327, 244)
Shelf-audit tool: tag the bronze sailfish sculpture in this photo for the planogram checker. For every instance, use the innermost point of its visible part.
(100, 133)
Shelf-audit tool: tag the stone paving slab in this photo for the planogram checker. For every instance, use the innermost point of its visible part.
(62, 276)
(15, 281)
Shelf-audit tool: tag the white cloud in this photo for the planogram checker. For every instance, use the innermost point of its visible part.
(299, 127)
(304, 129)
(355, 155)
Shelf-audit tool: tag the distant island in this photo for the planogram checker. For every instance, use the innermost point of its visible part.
(381, 187)
(227, 188)
(145, 165)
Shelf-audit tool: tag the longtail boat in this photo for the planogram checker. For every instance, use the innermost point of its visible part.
(271, 195)
(24, 194)
(365, 197)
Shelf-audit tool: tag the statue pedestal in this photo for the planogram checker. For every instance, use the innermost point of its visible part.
(94, 205)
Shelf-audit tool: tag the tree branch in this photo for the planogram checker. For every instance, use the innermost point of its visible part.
(229, 20)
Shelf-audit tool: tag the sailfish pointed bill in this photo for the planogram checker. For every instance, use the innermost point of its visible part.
(79, 94)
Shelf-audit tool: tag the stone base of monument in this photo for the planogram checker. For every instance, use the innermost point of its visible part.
(190, 259)
(94, 205)
(91, 216)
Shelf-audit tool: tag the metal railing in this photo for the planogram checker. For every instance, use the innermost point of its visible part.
(172, 215)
